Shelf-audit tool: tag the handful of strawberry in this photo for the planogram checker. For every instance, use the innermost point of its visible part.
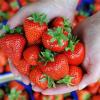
(48, 56)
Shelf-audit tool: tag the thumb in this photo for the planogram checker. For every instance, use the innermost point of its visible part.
(52, 8)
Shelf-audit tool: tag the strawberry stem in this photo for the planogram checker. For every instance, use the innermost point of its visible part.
(72, 42)
(39, 17)
(66, 80)
(57, 34)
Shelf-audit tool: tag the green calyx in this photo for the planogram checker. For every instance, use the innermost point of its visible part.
(57, 34)
(72, 42)
(51, 83)
(39, 17)
(11, 31)
(66, 80)
(4, 15)
(87, 96)
(14, 94)
(46, 56)
(67, 26)
(14, 4)
(1, 94)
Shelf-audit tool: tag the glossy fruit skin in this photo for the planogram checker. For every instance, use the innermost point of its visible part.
(3, 58)
(2, 69)
(96, 97)
(84, 95)
(97, 7)
(7, 68)
(33, 30)
(53, 46)
(13, 46)
(23, 67)
(93, 88)
(80, 18)
(76, 73)
(31, 55)
(77, 56)
(57, 69)
(58, 22)
(17, 85)
(36, 75)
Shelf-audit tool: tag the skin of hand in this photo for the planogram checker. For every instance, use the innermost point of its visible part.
(85, 31)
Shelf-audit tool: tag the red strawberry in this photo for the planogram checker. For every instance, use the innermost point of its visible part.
(58, 68)
(61, 22)
(84, 95)
(37, 77)
(55, 40)
(23, 2)
(76, 57)
(13, 46)
(36, 95)
(93, 88)
(31, 55)
(96, 97)
(74, 77)
(16, 85)
(80, 18)
(4, 6)
(34, 27)
(7, 68)
(96, 7)
(3, 58)
(23, 67)
(2, 69)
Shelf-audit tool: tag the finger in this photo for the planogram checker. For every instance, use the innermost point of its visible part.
(25, 79)
(52, 8)
(36, 89)
(13, 69)
(88, 79)
(59, 90)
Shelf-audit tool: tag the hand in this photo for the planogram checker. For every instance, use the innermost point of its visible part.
(89, 32)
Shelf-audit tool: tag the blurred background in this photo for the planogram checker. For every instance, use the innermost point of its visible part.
(9, 85)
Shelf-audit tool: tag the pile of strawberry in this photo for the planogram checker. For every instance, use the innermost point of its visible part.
(48, 53)
(13, 91)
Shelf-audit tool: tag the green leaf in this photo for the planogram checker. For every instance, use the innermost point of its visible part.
(6, 28)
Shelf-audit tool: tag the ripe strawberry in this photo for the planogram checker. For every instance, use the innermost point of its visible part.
(23, 67)
(55, 40)
(36, 95)
(93, 88)
(84, 95)
(74, 77)
(13, 46)
(58, 68)
(3, 58)
(80, 18)
(96, 7)
(31, 55)
(61, 22)
(2, 69)
(4, 6)
(96, 97)
(16, 85)
(23, 2)
(34, 27)
(37, 77)
(76, 57)
(7, 68)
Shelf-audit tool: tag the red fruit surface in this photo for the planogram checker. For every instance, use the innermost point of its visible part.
(77, 56)
(31, 55)
(58, 68)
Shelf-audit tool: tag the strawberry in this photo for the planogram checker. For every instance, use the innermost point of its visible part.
(36, 95)
(34, 27)
(93, 88)
(37, 77)
(23, 2)
(96, 97)
(7, 68)
(97, 1)
(3, 58)
(61, 22)
(55, 39)
(80, 18)
(57, 68)
(76, 56)
(84, 95)
(2, 69)
(16, 85)
(31, 55)
(69, 98)
(13, 46)
(59, 97)
(74, 77)
(23, 67)
(46, 97)
(96, 7)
